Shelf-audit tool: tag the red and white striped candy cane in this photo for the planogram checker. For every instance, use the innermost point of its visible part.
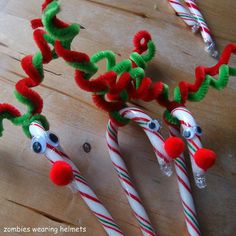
(205, 31)
(185, 190)
(48, 144)
(201, 158)
(126, 182)
(184, 14)
(151, 128)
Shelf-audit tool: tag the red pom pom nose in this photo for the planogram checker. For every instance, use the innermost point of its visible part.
(205, 158)
(174, 147)
(61, 173)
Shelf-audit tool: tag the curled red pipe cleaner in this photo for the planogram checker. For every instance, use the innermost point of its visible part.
(201, 73)
(33, 67)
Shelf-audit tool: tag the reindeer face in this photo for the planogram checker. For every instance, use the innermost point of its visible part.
(41, 139)
(47, 143)
(201, 158)
(164, 150)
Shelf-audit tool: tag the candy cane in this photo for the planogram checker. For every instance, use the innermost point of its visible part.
(185, 190)
(48, 144)
(126, 182)
(201, 158)
(205, 31)
(184, 14)
(151, 128)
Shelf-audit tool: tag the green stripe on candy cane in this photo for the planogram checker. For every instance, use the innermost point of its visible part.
(191, 147)
(182, 164)
(141, 123)
(186, 16)
(189, 214)
(107, 222)
(146, 226)
(123, 175)
(111, 131)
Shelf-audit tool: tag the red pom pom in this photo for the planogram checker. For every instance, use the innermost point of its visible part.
(61, 173)
(174, 146)
(204, 158)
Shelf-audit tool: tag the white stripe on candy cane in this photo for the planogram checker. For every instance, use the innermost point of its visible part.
(79, 184)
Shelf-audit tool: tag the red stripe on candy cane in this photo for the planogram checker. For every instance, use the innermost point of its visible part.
(148, 231)
(120, 168)
(54, 149)
(181, 168)
(89, 197)
(193, 213)
(184, 184)
(193, 226)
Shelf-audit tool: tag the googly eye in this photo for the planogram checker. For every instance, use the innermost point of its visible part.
(52, 139)
(198, 130)
(154, 125)
(38, 144)
(188, 133)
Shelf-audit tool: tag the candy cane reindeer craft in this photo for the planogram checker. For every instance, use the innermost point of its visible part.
(181, 122)
(179, 117)
(65, 172)
(151, 128)
(36, 127)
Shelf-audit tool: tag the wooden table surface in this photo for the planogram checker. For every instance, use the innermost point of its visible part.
(29, 199)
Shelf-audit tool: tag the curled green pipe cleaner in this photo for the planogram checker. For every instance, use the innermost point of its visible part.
(62, 37)
(205, 78)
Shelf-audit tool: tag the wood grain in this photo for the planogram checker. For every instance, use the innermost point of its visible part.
(29, 199)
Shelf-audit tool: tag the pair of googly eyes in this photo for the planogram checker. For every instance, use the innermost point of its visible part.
(39, 143)
(190, 132)
(154, 125)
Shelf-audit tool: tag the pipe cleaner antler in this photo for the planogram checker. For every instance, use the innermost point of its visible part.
(177, 114)
(35, 126)
(181, 122)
